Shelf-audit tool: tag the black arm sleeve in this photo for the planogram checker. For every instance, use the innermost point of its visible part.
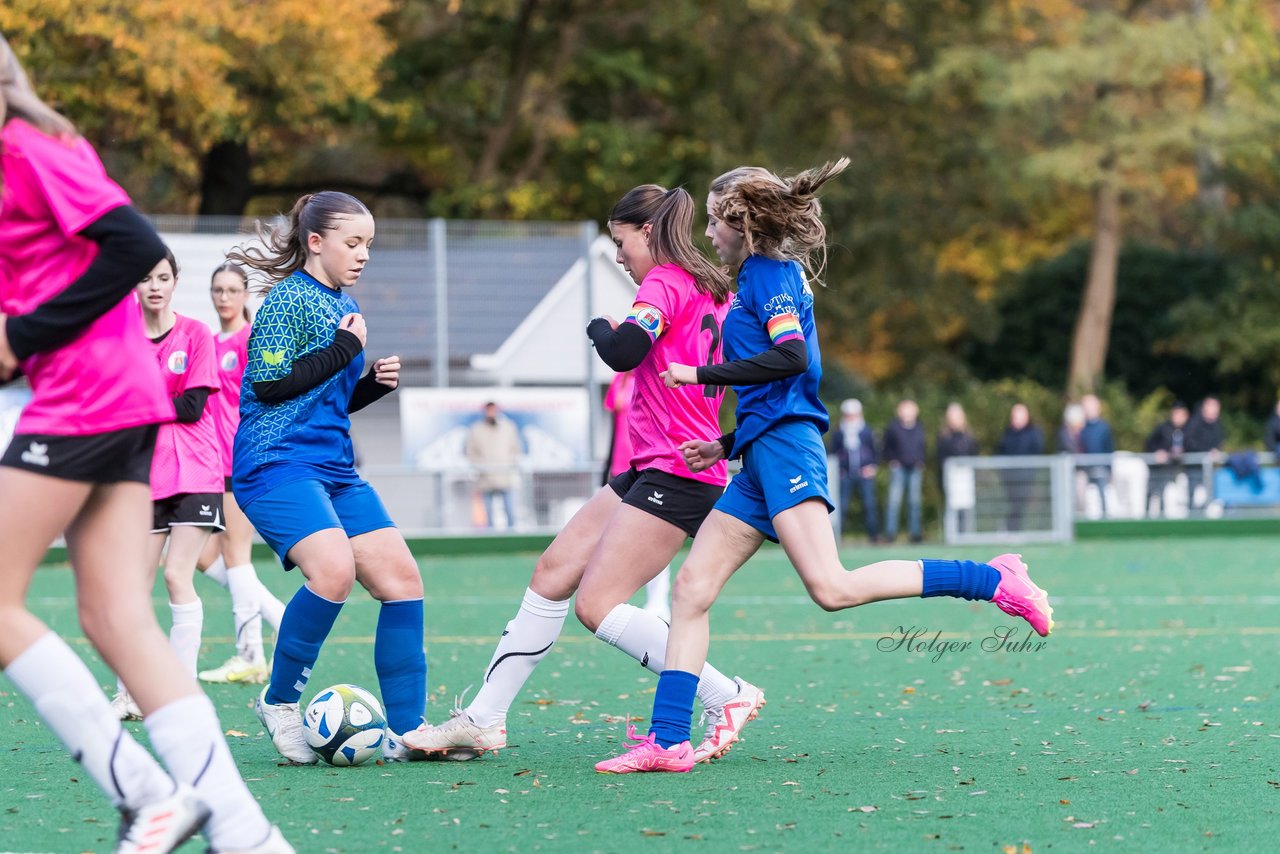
(367, 391)
(309, 371)
(777, 363)
(189, 405)
(622, 349)
(726, 442)
(128, 247)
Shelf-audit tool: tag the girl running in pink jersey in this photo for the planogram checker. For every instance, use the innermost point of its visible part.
(657, 501)
(72, 248)
(186, 471)
(227, 558)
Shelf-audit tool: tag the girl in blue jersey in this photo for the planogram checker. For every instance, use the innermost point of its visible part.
(293, 469)
(771, 230)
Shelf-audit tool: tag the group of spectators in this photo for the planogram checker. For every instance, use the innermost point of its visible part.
(902, 448)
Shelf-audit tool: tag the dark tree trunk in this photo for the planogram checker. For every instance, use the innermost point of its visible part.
(225, 183)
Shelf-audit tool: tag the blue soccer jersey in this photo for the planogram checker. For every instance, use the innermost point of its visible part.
(774, 303)
(308, 436)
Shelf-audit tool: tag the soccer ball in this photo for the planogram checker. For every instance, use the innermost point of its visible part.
(344, 725)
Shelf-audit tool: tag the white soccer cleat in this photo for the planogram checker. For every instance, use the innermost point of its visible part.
(284, 724)
(724, 725)
(458, 738)
(124, 708)
(395, 750)
(238, 669)
(163, 825)
(275, 843)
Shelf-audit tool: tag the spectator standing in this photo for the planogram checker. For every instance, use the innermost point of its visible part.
(1167, 442)
(1204, 436)
(1069, 433)
(1095, 438)
(1271, 434)
(854, 447)
(904, 453)
(1021, 438)
(493, 447)
(955, 440)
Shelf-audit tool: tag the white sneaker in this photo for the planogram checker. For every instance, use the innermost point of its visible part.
(124, 708)
(458, 737)
(724, 725)
(275, 843)
(395, 750)
(284, 724)
(237, 668)
(163, 825)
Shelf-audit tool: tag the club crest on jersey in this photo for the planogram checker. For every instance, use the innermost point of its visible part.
(649, 319)
(229, 360)
(178, 362)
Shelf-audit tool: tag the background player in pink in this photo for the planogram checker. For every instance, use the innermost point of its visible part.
(186, 471)
(227, 556)
(658, 501)
(617, 401)
(72, 248)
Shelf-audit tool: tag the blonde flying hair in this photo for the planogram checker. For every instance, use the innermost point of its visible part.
(779, 218)
(18, 100)
(285, 251)
(669, 213)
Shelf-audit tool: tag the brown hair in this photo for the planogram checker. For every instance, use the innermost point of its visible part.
(19, 100)
(285, 250)
(669, 214)
(236, 269)
(779, 218)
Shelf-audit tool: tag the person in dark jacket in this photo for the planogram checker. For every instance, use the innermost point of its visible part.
(1204, 436)
(904, 452)
(1271, 434)
(1167, 442)
(1021, 438)
(853, 444)
(1095, 438)
(955, 440)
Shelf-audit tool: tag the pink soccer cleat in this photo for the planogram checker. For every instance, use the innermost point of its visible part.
(1018, 596)
(646, 755)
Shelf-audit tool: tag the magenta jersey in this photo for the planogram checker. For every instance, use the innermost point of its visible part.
(685, 325)
(105, 379)
(187, 458)
(230, 354)
(617, 401)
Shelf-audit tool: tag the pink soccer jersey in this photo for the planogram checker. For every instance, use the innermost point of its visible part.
(687, 325)
(187, 458)
(105, 379)
(230, 352)
(617, 401)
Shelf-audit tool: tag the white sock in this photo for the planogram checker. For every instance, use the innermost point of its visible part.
(184, 634)
(243, 583)
(189, 739)
(271, 608)
(657, 594)
(526, 641)
(217, 571)
(643, 636)
(69, 700)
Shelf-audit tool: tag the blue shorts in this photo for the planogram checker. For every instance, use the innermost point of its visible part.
(291, 512)
(781, 468)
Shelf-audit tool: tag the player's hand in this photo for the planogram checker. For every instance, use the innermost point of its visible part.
(8, 361)
(387, 371)
(354, 323)
(677, 375)
(699, 455)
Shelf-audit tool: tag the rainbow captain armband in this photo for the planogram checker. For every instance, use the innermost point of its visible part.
(647, 317)
(784, 327)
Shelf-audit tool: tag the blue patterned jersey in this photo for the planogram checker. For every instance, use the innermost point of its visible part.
(773, 304)
(308, 436)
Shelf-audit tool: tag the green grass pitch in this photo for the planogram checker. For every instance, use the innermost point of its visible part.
(1149, 721)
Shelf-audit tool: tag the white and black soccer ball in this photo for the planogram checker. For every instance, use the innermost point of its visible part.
(344, 725)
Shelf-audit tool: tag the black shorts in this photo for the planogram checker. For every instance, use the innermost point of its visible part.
(115, 457)
(682, 501)
(194, 509)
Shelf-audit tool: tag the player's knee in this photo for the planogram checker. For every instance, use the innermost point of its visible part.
(691, 593)
(554, 579)
(827, 596)
(103, 619)
(178, 583)
(398, 580)
(333, 579)
(587, 610)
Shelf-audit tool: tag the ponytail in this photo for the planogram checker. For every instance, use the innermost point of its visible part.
(669, 213)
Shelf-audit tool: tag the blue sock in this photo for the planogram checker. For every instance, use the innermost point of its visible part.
(401, 663)
(306, 623)
(965, 579)
(673, 707)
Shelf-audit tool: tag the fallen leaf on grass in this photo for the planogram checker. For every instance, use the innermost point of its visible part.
(235, 733)
(863, 809)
